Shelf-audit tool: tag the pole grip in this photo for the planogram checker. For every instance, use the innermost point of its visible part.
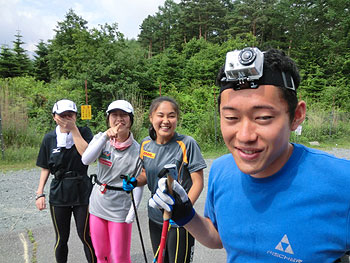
(170, 180)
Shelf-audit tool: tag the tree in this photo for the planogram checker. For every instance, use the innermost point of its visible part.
(71, 48)
(8, 65)
(117, 67)
(41, 62)
(161, 31)
(203, 18)
(254, 16)
(176, 24)
(147, 34)
(167, 20)
(21, 59)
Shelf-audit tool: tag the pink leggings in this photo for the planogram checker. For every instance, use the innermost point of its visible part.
(111, 240)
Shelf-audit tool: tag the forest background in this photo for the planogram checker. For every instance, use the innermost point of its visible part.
(178, 53)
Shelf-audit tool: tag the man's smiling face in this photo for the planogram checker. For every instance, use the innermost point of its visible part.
(256, 128)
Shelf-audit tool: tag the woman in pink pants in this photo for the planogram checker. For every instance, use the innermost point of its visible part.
(111, 211)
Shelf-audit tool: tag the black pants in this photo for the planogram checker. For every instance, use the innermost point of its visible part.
(61, 218)
(179, 245)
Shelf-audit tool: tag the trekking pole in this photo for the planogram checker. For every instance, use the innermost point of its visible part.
(138, 226)
(172, 175)
(137, 218)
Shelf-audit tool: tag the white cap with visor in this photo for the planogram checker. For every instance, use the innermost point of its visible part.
(64, 105)
(120, 105)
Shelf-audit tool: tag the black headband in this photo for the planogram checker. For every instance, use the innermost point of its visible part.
(270, 77)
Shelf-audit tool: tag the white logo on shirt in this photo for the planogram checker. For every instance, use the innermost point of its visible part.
(284, 245)
(57, 150)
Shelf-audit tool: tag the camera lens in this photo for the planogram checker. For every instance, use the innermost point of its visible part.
(247, 56)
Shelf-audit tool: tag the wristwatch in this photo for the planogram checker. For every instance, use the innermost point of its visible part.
(39, 196)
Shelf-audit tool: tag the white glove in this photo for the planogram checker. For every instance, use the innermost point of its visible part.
(163, 200)
(179, 204)
(137, 192)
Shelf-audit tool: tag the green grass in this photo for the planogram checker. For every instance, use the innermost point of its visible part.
(35, 245)
(215, 151)
(18, 158)
(29, 164)
(327, 144)
(337, 143)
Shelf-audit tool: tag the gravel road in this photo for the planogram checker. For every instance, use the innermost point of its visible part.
(18, 215)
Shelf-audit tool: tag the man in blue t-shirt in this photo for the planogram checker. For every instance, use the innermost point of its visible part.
(269, 200)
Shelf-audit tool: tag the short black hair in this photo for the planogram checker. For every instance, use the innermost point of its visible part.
(276, 60)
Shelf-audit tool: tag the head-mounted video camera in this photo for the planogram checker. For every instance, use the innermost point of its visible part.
(244, 69)
(244, 66)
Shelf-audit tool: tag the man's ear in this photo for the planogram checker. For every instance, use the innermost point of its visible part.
(299, 116)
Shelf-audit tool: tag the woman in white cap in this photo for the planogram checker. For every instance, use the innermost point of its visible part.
(111, 211)
(60, 154)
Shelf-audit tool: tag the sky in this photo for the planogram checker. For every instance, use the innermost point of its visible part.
(36, 19)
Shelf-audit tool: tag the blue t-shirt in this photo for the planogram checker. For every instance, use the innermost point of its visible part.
(299, 214)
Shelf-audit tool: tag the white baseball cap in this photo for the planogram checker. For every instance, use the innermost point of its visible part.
(64, 105)
(121, 105)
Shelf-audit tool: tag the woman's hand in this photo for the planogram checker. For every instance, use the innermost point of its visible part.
(40, 199)
(41, 203)
(67, 123)
(113, 132)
